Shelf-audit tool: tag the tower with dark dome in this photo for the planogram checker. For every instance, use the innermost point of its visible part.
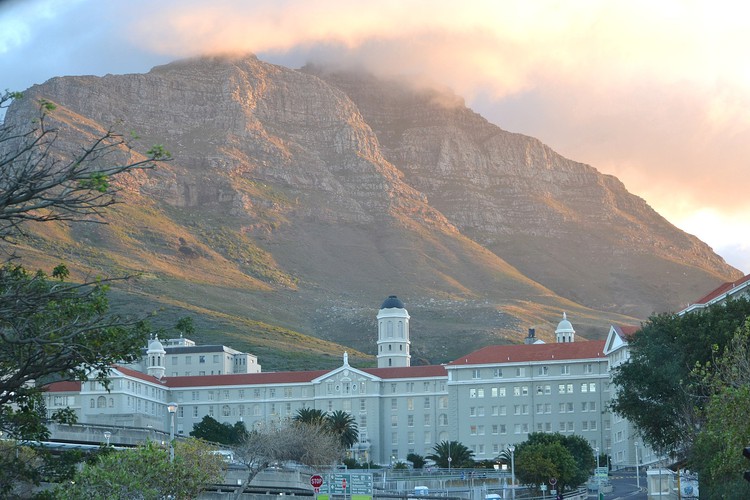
(393, 334)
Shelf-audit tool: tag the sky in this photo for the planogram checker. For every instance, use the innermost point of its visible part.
(655, 93)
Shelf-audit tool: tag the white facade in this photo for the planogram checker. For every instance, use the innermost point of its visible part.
(488, 399)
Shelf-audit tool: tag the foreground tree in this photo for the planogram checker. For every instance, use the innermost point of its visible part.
(717, 452)
(460, 455)
(658, 389)
(52, 329)
(570, 459)
(210, 429)
(146, 472)
(312, 444)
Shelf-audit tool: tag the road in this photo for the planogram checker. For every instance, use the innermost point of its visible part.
(625, 487)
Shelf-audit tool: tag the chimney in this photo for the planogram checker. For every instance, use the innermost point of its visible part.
(531, 337)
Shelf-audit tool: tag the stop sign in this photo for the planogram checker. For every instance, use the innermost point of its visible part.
(316, 481)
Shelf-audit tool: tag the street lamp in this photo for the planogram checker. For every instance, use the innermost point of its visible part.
(637, 473)
(172, 408)
(450, 459)
(107, 435)
(512, 450)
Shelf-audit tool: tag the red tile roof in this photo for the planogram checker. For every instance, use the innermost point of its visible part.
(724, 288)
(136, 374)
(533, 352)
(64, 386)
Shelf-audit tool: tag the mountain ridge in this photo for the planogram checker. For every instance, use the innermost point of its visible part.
(300, 199)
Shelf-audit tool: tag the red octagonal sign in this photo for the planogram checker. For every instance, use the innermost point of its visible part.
(316, 481)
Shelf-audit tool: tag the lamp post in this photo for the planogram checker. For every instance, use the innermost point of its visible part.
(450, 459)
(107, 435)
(637, 472)
(172, 408)
(513, 469)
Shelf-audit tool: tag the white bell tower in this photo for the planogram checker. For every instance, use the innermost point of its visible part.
(393, 334)
(155, 358)
(565, 331)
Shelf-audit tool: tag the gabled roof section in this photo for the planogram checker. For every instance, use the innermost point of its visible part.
(426, 371)
(352, 371)
(532, 352)
(64, 386)
(728, 289)
(618, 336)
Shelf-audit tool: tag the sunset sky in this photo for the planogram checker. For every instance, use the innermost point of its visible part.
(655, 93)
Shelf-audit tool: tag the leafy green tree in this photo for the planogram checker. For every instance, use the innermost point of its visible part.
(716, 454)
(343, 424)
(50, 328)
(658, 389)
(460, 455)
(210, 429)
(185, 326)
(146, 472)
(537, 462)
(548, 457)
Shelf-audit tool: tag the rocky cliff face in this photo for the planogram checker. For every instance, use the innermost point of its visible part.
(308, 196)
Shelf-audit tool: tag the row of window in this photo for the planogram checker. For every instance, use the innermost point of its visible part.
(523, 390)
(520, 371)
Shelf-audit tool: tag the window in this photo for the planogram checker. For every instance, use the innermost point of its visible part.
(393, 388)
(101, 402)
(517, 390)
(584, 387)
(592, 425)
(410, 437)
(201, 359)
(442, 419)
(216, 358)
(584, 426)
(473, 430)
(287, 392)
(427, 437)
(543, 370)
(525, 390)
(480, 411)
(502, 429)
(362, 405)
(497, 372)
(427, 420)
(476, 373)
(210, 395)
(426, 387)
(570, 407)
(472, 411)
(226, 394)
(394, 404)
(565, 370)
(480, 393)
(256, 393)
(410, 404)
(195, 412)
(210, 411)
(592, 405)
(443, 402)
(394, 420)
(516, 409)
(472, 393)
(394, 437)
(225, 411)
(520, 371)
(562, 407)
(188, 360)
(426, 403)
(592, 387)
(517, 429)
(410, 420)
(494, 429)
(570, 388)
(588, 368)
(494, 411)
(502, 410)
(561, 388)
(584, 406)
(272, 393)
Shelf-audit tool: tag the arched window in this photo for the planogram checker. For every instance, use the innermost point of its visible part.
(101, 402)
(442, 419)
(401, 329)
(225, 411)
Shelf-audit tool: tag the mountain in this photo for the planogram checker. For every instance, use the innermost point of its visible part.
(298, 200)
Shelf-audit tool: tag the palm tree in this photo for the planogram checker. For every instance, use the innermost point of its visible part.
(342, 424)
(460, 455)
(310, 416)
